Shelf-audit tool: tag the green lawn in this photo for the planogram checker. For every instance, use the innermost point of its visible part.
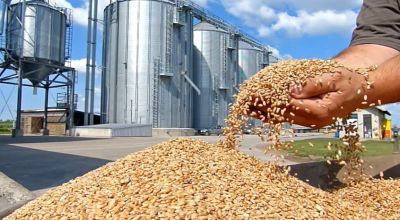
(303, 148)
(5, 127)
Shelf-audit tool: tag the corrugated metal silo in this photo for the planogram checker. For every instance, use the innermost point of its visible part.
(3, 10)
(147, 59)
(251, 60)
(43, 38)
(215, 71)
(272, 58)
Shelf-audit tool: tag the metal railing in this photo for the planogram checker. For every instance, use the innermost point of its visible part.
(205, 15)
(68, 33)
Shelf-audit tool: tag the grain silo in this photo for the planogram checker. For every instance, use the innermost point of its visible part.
(38, 43)
(41, 43)
(147, 60)
(251, 60)
(215, 71)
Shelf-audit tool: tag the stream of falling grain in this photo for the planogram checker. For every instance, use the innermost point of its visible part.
(266, 96)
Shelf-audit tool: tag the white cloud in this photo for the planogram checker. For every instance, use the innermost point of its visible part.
(316, 23)
(252, 12)
(296, 18)
(80, 13)
(295, 5)
(79, 65)
(60, 3)
(202, 3)
(317, 5)
(276, 53)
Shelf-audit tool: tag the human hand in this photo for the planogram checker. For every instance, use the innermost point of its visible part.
(322, 99)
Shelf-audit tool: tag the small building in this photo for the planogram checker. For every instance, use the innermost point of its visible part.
(32, 121)
(372, 123)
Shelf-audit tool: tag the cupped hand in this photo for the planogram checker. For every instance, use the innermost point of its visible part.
(322, 99)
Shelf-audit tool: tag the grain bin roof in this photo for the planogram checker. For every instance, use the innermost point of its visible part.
(205, 26)
(383, 111)
(246, 46)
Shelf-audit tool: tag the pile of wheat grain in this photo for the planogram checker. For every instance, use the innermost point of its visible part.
(191, 179)
(380, 196)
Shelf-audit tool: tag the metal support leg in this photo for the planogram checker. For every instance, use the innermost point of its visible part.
(71, 104)
(45, 131)
(17, 131)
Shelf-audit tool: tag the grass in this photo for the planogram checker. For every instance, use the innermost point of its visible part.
(5, 127)
(374, 148)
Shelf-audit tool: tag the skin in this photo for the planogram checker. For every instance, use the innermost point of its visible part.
(318, 103)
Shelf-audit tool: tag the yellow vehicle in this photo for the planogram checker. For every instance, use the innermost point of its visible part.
(387, 128)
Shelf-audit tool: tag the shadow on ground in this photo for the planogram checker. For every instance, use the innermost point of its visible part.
(317, 174)
(6, 139)
(38, 169)
(392, 173)
(324, 176)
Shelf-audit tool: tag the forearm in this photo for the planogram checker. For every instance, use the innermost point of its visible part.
(386, 82)
(386, 78)
(365, 55)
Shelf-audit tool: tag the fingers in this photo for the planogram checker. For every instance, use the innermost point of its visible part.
(322, 111)
(312, 113)
(294, 117)
(312, 107)
(296, 114)
(315, 86)
(305, 121)
(322, 102)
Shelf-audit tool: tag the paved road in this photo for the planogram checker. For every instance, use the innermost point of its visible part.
(39, 163)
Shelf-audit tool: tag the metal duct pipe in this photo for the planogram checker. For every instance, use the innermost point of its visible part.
(88, 56)
(91, 62)
(93, 70)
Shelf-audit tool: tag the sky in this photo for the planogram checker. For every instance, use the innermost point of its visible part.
(297, 29)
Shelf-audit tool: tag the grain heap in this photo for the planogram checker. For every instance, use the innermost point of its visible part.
(382, 196)
(189, 179)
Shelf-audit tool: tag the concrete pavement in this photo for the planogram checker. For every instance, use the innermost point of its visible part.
(12, 195)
